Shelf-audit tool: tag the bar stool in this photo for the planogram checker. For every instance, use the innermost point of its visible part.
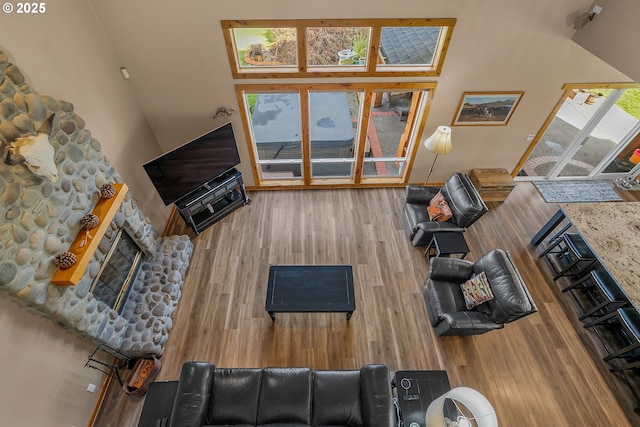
(555, 239)
(625, 360)
(624, 326)
(570, 256)
(600, 290)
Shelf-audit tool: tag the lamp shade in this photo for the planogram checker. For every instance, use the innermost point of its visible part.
(635, 157)
(440, 141)
(478, 405)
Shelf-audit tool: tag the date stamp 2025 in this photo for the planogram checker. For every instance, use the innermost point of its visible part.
(24, 8)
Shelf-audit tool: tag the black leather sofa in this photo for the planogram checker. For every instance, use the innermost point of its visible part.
(445, 302)
(463, 199)
(282, 397)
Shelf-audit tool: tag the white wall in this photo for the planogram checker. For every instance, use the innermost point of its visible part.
(180, 72)
(44, 380)
(612, 35)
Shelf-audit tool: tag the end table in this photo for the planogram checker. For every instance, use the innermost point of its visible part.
(158, 404)
(447, 243)
(416, 390)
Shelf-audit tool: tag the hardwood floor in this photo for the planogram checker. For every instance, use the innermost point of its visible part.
(542, 370)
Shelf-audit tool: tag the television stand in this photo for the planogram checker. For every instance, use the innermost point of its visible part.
(213, 201)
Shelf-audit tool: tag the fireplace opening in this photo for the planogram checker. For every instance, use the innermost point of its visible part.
(118, 271)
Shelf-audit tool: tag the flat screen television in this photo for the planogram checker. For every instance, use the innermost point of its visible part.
(189, 166)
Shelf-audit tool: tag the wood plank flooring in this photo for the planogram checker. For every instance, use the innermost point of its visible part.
(542, 370)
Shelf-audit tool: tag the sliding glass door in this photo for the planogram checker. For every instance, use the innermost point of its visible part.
(589, 136)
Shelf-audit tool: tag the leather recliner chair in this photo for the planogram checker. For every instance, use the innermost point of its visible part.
(446, 305)
(463, 199)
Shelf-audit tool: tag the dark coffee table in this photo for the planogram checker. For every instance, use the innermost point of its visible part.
(310, 288)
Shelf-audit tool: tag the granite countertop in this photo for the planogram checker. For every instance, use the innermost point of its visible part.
(613, 232)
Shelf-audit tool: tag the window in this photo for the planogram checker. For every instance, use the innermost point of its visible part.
(337, 48)
(333, 134)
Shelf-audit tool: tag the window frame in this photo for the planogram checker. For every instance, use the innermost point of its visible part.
(358, 179)
(369, 69)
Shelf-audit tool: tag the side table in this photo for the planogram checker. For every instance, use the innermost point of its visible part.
(158, 404)
(494, 185)
(447, 243)
(416, 390)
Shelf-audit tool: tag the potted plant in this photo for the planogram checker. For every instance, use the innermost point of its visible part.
(347, 57)
(593, 97)
(359, 46)
(256, 52)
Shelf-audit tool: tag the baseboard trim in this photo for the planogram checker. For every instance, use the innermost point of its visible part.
(98, 405)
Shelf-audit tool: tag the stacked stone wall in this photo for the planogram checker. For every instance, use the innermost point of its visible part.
(40, 218)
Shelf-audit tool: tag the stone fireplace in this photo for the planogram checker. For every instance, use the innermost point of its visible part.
(40, 219)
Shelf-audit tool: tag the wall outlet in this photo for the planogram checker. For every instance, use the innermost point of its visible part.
(91, 388)
(529, 138)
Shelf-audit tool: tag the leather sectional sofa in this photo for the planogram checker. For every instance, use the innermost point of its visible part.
(292, 397)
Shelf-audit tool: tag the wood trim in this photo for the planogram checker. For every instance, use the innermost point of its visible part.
(101, 397)
(365, 116)
(305, 143)
(374, 47)
(172, 215)
(621, 85)
(105, 209)
(370, 69)
(228, 24)
(419, 132)
(295, 87)
(442, 48)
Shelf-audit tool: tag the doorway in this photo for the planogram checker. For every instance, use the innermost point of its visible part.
(591, 134)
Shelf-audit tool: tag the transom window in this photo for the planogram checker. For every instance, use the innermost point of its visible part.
(337, 48)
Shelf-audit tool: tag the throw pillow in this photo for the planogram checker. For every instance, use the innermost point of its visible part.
(446, 211)
(476, 290)
(440, 208)
(435, 212)
(439, 197)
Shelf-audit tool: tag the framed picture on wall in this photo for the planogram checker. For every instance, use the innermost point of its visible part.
(486, 108)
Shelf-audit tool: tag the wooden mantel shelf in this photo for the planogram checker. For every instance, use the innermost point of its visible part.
(105, 209)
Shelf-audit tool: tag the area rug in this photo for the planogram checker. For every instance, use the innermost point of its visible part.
(576, 191)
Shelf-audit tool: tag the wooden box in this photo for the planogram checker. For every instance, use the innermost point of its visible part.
(142, 374)
(494, 185)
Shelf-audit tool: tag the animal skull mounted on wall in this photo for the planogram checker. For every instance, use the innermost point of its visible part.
(35, 152)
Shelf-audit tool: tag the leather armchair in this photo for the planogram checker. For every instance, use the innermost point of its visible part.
(463, 199)
(446, 306)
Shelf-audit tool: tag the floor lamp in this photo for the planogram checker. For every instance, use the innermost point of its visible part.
(439, 143)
